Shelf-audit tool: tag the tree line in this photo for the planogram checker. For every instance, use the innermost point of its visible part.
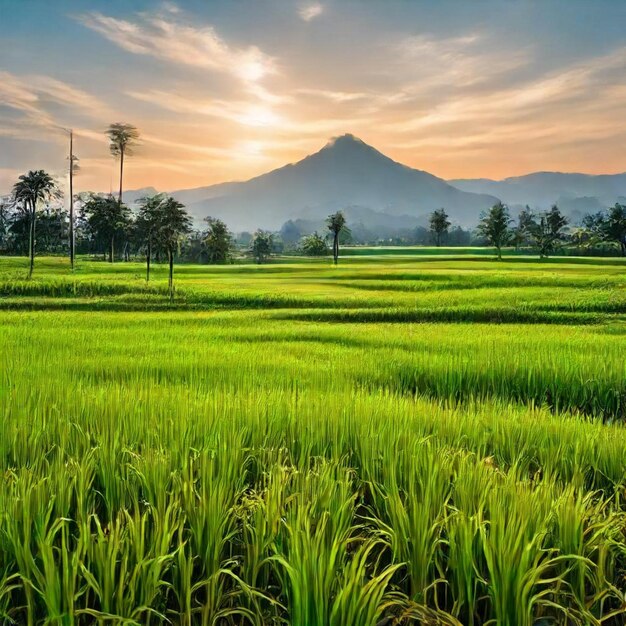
(160, 229)
(547, 231)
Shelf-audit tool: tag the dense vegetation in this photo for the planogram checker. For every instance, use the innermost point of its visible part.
(419, 440)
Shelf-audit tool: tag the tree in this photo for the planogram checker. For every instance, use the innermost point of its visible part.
(290, 233)
(18, 235)
(336, 223)
(5, 224)
(261, 246)
(581, 238)
(218, 241)
(31, 190)
(244, 239)
(439, 224)
(52, 230)
(494, 226)
(520, 233)
(546, 230)
(593, 230)
(173, 223)
(147, 225)
(106, 220)
(314, 245)
(614, 226)
(122, 138)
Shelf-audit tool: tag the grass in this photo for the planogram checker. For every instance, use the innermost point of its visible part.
(410, 441)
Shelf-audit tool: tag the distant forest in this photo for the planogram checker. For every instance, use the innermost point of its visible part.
(596, 234)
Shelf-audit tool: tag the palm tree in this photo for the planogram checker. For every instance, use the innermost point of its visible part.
(336, 224)
(122, 138)
(30, 190)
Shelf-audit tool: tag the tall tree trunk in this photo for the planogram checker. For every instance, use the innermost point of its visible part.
(119, 198)
(31, 239)
(72, 200)
(112, 249)
(148, 255)
(170, 255)
(336, 248)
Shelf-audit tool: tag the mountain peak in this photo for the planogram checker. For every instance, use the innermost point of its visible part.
(346, 172)
(345, 140)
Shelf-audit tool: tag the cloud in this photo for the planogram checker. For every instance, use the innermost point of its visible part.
(586, 85)
(469, 60)
(168, 38)
(541, 121)
(32, 95)
(241, 112)
(309, 12)
(334, 96)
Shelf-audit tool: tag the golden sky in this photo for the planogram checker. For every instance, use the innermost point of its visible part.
(228, 90)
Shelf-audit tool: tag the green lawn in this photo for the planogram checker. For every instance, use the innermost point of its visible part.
(423, 439)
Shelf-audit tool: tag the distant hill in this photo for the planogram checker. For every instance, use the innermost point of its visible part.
(132, 195)
(346, 172)
(574, 193)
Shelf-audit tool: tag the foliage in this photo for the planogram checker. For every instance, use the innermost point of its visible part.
(5, 224)
(495, 227)
(336, 224)
(29, 192)
(261, 246)
(439, 225)
(520, 235)
(106, 222)
(614, 226)
(218, 241)
(290, 232)
(546, 230)
(122, 138)
(172, 224)
(314, 245)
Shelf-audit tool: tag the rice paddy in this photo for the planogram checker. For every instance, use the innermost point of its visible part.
(398, 440)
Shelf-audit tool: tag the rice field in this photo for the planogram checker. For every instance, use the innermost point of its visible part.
(398, 440)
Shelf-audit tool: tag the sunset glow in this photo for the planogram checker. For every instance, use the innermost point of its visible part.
(225, 91)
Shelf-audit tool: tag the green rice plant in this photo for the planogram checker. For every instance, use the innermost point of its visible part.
(297, 444)
(324, 570)
(262, 512)
(410, 501)
(125, 565)
(521, 566)
(466, 567)
(592, 528)
(212, 481)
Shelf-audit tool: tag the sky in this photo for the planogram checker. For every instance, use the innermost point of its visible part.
(228, 89)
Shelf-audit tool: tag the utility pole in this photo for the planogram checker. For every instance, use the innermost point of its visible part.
(72, 199)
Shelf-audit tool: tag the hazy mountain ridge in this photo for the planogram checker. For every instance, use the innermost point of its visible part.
(374, 189)
(573, 192)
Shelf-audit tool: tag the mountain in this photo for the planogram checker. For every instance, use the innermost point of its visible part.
(345, 172)
(574, 193)
(132, 195)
